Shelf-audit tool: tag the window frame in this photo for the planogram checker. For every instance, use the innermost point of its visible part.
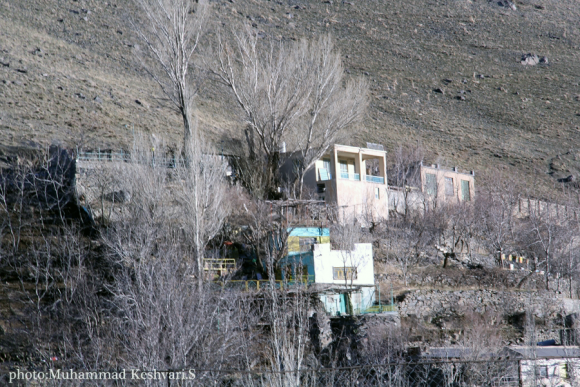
(449, 186)
(431, 184)
(342, 273)
(465, 196)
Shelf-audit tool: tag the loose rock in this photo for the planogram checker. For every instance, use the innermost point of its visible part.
(529, 60)
(507, 4)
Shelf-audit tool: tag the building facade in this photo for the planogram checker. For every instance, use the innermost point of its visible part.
(354, 180)
(344, 280)
(441, 185)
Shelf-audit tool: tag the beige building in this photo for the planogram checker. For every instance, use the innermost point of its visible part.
(355, 180)
(441, 185)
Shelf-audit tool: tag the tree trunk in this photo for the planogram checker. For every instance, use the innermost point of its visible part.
(187, 131)
(272, 174)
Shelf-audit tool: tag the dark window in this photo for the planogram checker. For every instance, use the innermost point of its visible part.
(320, 188)
(448, 186)
(343, 169)
(465, 194)
(306, 243)
(430, 184)
(543, 371)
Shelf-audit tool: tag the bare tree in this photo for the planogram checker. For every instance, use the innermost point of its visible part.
(287, 313)
(171, 31)
(405, 173)
(542, 236)
(408, 240)
(202, 196)
(190, 197)
(290, 94)
(344, 237)
(496, 208)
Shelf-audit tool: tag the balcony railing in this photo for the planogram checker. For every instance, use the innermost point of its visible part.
(375, 179)
(257, 285)
(350, 176)
(219, 264)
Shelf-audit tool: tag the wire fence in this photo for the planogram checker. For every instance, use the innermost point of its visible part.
(490, 373)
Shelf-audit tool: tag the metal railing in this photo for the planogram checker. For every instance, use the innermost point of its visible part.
(303, 279)
(121, 156)
(219, 264)
(249, 285)
(375, 179)
(99, 155)
(257, 285)
(450, 372)
(349, 176)
(380, 309)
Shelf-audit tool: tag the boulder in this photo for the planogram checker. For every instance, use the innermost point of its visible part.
(507, 4)
(530, 60)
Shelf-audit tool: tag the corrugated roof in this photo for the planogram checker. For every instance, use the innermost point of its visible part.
(546, 352)
(507, 352)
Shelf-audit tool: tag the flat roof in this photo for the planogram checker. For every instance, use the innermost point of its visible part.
(308, 231)
(355, 149)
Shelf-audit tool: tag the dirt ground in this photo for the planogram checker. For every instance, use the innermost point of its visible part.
(445, 73)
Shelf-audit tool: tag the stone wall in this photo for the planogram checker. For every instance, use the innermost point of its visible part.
(425, 303)
(450, 310)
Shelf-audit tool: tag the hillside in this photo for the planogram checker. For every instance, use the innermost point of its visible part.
(446, 74)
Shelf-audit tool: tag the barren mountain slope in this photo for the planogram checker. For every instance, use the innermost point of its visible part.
(68, 73)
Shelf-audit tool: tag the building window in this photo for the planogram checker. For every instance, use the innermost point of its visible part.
(326, 164)
(377, 193)
(543, 371)
(344, 273)
(320, 188)
(306, 243)
(465, 194)
(430, 184)
(343, 169)
(448, 186)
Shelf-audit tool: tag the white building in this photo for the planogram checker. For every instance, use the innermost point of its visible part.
(548, 366)
(345, 280)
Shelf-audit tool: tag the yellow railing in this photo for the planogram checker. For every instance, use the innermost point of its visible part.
(219, 264)
(304, 279)
(249, 285)
(380, 309)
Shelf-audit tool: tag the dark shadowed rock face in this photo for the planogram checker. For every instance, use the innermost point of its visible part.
(48, 185)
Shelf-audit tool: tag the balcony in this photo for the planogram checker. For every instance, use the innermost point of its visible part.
(350, 176)
(375, 179)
